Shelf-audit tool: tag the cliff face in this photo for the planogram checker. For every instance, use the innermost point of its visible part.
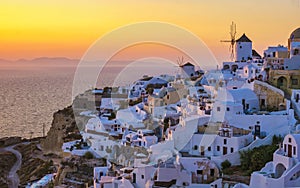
(63, 129)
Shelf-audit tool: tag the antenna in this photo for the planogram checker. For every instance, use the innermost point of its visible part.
(232, 39)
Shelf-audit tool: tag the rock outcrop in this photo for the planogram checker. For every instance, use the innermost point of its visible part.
(7, 160)
(63, 129)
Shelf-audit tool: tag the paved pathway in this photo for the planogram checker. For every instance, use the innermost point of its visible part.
(13, 178)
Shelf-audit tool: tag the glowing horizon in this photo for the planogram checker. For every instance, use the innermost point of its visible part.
(31, 29)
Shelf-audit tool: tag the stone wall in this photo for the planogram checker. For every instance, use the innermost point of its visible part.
(270, 98)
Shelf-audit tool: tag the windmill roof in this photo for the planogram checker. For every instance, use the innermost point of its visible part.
(187, 64)
(243, 38)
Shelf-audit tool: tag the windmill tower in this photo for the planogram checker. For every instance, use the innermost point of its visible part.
(232, 40)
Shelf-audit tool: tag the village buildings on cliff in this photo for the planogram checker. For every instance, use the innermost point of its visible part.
(168, 131)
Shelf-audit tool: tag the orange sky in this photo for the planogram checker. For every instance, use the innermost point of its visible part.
(33, 28)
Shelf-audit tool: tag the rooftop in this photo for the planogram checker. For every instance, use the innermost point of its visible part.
(243, 38)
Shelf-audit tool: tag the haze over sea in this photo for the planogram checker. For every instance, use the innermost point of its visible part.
(31, 91)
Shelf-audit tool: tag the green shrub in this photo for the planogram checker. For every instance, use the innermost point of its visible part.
(225, 164)
(254, 160)
(88, 155)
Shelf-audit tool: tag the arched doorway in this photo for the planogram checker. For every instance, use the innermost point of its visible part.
(282, 82)
(279, 170)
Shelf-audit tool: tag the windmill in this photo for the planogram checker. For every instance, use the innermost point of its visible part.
(232, 40)
(180, 62)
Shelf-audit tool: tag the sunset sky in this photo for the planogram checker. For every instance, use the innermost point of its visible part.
(34, 28)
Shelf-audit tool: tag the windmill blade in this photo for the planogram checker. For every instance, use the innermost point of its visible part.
(233, 30)
(232, 39)
(180, 61)
(225, 40)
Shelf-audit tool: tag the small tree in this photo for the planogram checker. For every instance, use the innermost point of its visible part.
(88, 155)
(225, 164)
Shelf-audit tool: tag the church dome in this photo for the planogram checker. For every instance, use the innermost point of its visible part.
(295, 34)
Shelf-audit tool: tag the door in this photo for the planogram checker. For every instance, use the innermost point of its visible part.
(289, 150)
(133, 178)
(224, 150)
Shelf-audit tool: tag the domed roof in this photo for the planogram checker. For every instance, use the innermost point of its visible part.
(295, 34)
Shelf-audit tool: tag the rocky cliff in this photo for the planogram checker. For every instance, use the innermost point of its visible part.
(64, 128)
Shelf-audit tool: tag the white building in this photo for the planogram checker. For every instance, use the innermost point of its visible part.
(294, 43)
(240, 107)
(243, 49)
(274, 51)
(132, 117)
(292, 63)
(217, 140)
(142, 138)
(98, 173)
(113, 182)
(179, 172)
(234, 101)
(284, 170)
(295, 99)
(187, 70)
(252, 71)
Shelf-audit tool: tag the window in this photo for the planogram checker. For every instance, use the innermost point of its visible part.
(294, 150)
(263, 102)
(246, 71)
(241, 47)
(284, 147)
(290, 140)
(225, 141)
(212, 172)
(231, 150)
(142, 176)
(294, 81)
(228, 109)
(218, 148)
(209, 148)
(218, 109)
(195, 147)
(199, 172)
(202, 153)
